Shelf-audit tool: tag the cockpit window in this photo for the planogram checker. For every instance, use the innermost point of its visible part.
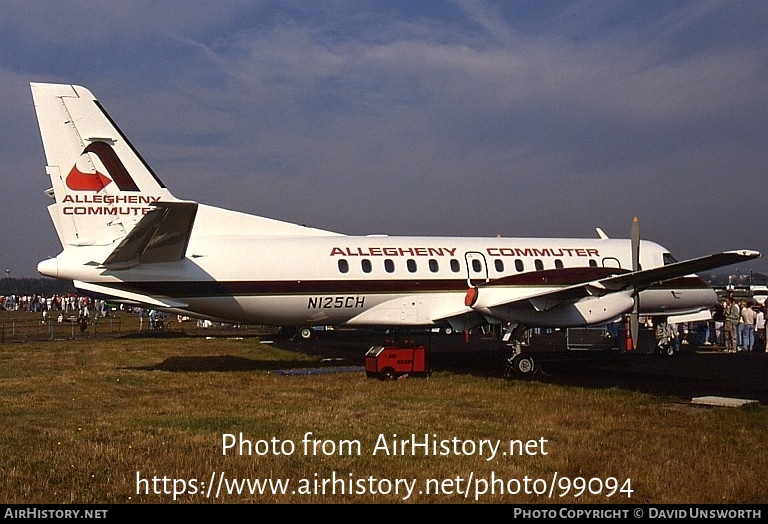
(669, 259)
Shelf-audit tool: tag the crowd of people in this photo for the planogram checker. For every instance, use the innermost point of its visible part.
(80, 308)
(743, 325)
(736, 326)
(38, 303)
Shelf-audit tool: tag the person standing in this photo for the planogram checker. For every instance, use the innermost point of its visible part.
(760, 329)
(748, 330)
(718, 315)
(732, 316)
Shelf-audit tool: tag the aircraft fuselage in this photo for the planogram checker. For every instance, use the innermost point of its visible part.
(385, 280)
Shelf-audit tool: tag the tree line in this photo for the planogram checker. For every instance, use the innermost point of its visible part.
(35, 286)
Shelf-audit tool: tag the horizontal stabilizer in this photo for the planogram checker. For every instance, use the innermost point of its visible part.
(161, 236)
(127, 296)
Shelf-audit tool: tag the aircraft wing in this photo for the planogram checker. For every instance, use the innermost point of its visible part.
(162, 235)
(645, 278)
(635, 280)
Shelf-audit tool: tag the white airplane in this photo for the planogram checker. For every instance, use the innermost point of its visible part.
(126, 237)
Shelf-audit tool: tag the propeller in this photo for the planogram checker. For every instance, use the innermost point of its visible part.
(634, 318)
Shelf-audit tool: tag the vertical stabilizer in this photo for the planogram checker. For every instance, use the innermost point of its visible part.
(100, 184)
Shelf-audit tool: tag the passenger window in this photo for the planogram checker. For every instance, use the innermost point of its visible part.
(389, 266)
(476, 266)
(499, 263)
(519, 266)
(558, 263)
(538, 264)
(343, 266)
(366, 265)
(455, 266)
(411, 265)
(433, 266)
(592, 262)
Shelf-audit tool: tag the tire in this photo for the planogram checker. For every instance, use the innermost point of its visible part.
(305, 333)
(669, 351)
(524, 365)
(387, 374)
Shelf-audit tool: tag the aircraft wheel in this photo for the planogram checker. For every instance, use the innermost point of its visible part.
(524, 365)
(448, 331)
(305, 333)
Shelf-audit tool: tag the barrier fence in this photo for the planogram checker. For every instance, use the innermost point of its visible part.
(23, 327)
(21, 330)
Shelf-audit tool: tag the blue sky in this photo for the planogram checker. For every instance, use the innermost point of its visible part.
(416, 117)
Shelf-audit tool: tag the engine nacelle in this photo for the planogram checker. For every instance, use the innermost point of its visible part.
(586, 311)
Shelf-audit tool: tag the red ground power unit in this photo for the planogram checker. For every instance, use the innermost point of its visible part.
(390, 362)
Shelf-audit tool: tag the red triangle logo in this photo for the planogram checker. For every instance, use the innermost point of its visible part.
(79, 181)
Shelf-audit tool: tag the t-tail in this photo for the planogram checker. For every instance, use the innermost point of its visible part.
(110, 210)
(101, 186)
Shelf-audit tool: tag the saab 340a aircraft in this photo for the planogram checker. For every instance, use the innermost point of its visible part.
(126, 237)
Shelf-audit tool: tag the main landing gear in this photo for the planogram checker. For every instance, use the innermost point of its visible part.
(520, 365)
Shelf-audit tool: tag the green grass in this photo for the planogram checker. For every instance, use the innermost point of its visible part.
(82, 417)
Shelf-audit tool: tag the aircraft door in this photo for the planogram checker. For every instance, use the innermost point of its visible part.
(477, 268)
(611, 262)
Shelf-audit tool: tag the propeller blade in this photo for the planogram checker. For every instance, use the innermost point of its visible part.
(635, 242)
(634, 318)
(634, 324)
